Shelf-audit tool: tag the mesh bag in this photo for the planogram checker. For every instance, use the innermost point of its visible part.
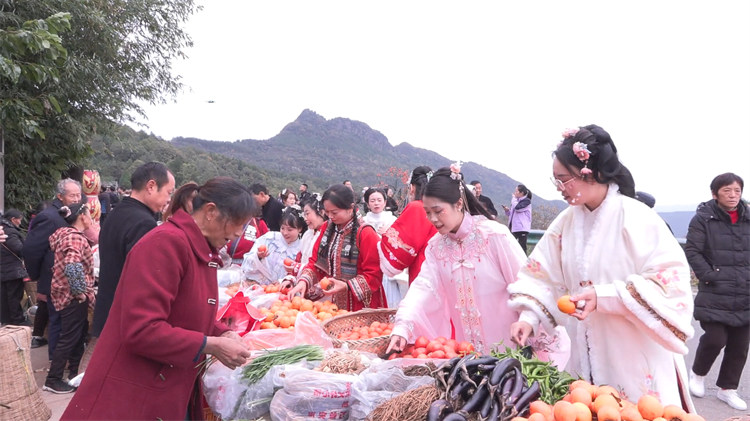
(19, 394)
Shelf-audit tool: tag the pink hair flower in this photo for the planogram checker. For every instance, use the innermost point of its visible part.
(586, 171)
(456, 170)
(569, 133)
(581, 151)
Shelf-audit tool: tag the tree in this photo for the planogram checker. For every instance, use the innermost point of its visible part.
(119, 55)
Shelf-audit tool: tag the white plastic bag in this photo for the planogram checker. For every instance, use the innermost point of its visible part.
(312, 395)
(380, 383)
(392, 291)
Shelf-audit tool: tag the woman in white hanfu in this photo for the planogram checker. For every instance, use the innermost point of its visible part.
(623, 269)
(461, 287)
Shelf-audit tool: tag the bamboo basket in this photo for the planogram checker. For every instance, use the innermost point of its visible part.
(346, 322)
(19, 394)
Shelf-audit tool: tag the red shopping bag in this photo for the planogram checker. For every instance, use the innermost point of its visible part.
(240, 315)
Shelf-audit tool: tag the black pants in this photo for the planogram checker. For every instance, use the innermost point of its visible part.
(41, 318)
(735, 342)
(521, 236)
(11, 294)
(53, 330)
(69, 349)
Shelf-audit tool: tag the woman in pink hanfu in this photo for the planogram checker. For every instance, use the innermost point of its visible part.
(466, 271)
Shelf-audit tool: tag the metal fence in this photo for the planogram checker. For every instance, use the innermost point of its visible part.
(536, 235)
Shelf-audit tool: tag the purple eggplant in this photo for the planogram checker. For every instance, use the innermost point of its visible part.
(439, 409)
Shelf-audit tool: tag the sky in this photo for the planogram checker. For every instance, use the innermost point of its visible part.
(493, 82)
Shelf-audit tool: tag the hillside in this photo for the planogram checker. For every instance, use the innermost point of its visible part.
(323, 151)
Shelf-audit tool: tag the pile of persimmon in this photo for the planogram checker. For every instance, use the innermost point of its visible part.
(374, 330)
(586, 401)
(283, 313)
(439, 347)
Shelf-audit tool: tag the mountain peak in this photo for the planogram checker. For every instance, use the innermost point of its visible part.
(312, 124)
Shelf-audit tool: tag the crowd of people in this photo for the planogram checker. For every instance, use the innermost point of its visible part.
(443, 260)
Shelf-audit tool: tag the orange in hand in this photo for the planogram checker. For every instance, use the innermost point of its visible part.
(287, 261)
(566, 305)
(326, 283)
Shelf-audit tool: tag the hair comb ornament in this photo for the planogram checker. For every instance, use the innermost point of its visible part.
(456, 171)
(581, 150)
(67, 211)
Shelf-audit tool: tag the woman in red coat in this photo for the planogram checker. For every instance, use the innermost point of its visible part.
(403, 244)
(163, 319)
(347, 252)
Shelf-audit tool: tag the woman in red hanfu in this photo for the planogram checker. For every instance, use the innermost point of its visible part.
(346, 252)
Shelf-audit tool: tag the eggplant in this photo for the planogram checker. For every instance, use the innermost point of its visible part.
(482, 360)
(455, 416)
(494, 412)
(501, 368)
(439, 409)
(452, 377)
(457, 390)
(519, 381)
(487, 406)
(485, 368)
(523, 402)
(507, 383)
(477, 399)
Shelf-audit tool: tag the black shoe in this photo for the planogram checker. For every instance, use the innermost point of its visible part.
(37, 341)
(58, 386)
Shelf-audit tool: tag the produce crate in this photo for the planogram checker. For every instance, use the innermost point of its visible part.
(346, 322)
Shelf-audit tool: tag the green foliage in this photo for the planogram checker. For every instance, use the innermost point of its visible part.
(58, 91)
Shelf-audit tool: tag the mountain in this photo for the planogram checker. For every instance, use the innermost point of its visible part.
(322, 152)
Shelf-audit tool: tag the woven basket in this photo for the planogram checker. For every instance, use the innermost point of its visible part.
(346, 322)
(19, 394)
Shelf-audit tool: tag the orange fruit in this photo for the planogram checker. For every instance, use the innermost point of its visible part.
(262, 249)
(693, 417)
(287, 261)
(564, 411)
(650, 407)
(606, 390)
(583, 413)
(565, 305)
(326, 283)
(605, 400)
(673, 411)
(608, 413)
(630, 413)
(541, 407)
(581, 395)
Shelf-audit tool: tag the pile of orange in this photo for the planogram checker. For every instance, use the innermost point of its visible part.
(283, 313)
(588, 402)
(374, 330)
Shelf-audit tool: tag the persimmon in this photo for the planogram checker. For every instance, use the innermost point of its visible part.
(673, 411)
(306, 305)
(541, 407)
(605, 400)
(566, 305)
(630, 413)
(581, 395)
(650, 407)
(296, 302)
(606, 390)
(287, 261)
(564, 411)
(693, 417)
(326, 283)
(608, 413)
(583, 413)
(262, 249)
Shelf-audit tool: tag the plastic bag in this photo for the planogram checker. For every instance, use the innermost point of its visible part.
(239, 314)
(313, 395)
(392, 291)
(307, 330)
(383, 381)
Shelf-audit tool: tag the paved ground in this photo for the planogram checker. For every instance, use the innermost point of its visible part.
(709, 407)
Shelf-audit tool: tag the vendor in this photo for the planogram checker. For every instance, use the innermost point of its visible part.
(146, 364)
(346, 251)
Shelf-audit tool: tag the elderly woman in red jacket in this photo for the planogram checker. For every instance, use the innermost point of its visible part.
(163, 319)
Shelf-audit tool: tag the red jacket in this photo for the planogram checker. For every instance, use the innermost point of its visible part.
(403, 244)
(144, 363)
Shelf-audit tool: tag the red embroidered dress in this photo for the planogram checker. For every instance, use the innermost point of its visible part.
(358, 266)
(403, 244)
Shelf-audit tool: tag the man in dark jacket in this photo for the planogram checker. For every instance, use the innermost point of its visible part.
(718, 250)
(270, 207)
(484, 200)
(131, 219)
(12, 270)
(39, 259)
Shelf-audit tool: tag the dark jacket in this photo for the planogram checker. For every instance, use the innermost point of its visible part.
(125, 225)
(11, 253)
(272, 214)
(719, 254)
(487, 202)
(36, 252)
(146, 363)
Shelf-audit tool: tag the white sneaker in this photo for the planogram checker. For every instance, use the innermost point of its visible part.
(731, 398)
(697, 387)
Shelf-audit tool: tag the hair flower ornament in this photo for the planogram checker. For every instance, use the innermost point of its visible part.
(429, 175)
(456, 171)
(67, 211)
(569, 133)
(582, 151)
